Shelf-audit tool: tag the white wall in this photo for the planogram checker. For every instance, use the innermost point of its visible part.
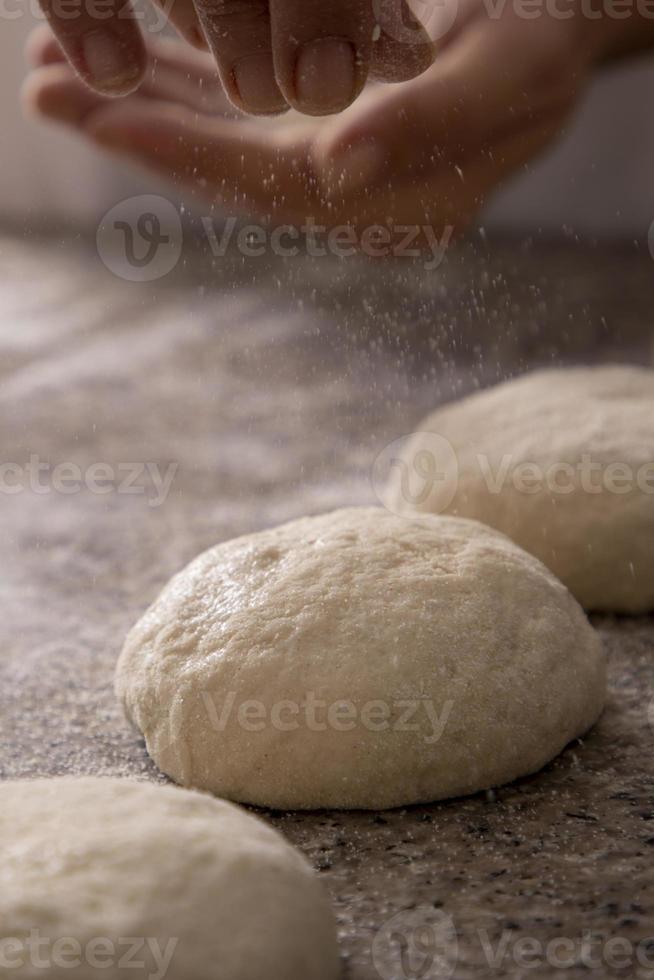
(599, 180)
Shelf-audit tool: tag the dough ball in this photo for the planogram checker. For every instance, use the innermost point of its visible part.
(97, 874)
(560, 460)
(361, 660)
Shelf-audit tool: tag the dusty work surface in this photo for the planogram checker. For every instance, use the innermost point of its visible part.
(270, 391)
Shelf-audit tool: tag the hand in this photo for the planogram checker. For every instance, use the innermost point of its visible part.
(426, 153)
(315, 55)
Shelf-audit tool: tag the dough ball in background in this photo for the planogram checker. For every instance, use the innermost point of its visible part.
(562, 461)
(100, 872)
(361, 660)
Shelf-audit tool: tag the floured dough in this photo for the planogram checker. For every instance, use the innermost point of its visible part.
(100, 875)
(563, 462)
(360, 659)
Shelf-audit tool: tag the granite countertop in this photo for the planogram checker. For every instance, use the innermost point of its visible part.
(271, 387)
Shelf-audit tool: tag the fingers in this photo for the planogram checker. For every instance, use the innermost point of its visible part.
(240, 166)
(304, 53)
(177, 73)
(271, 54)
(43, 44)
(322, 51)
(42, 48)
(309, 54)
(102, 41)
(240, 163)
(238, 33)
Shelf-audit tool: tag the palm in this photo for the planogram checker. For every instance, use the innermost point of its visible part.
(447, 144)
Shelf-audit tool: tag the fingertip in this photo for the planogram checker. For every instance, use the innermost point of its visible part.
(111, 60)
(329, 76)
(253, 87)
(111, 63)
(118, 87)
(112, 66)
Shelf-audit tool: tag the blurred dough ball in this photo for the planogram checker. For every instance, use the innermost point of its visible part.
(102, 872)
(562, 461)
(358, 659)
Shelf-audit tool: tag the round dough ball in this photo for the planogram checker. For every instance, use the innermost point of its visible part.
(362, 660)
(100, 873)
(560, 460)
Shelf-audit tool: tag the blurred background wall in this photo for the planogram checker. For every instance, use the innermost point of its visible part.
(599, 181)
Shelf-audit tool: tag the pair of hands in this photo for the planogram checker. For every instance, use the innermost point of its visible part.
(426, 152)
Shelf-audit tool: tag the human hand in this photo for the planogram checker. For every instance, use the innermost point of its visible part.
(271, 54)
(425, 153)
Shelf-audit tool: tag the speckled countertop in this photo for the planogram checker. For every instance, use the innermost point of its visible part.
(272, 387)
